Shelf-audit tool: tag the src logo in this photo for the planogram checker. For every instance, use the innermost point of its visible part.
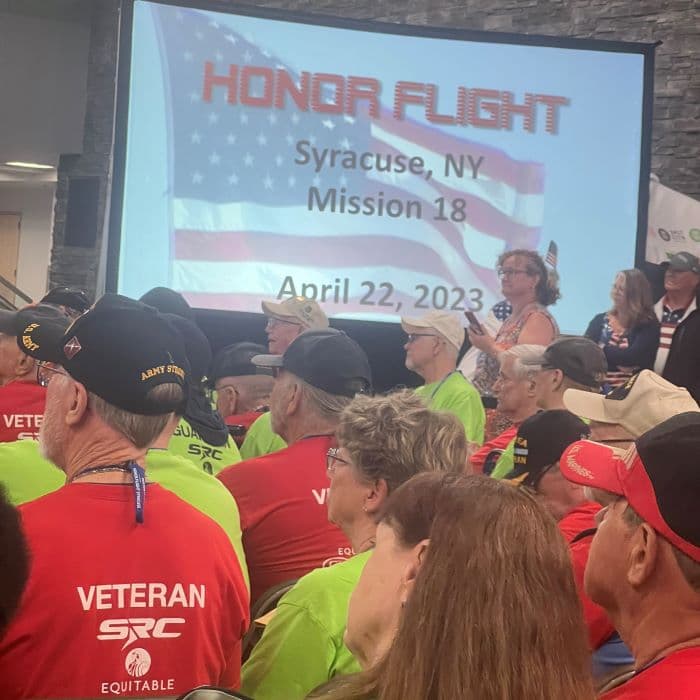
(135, 628)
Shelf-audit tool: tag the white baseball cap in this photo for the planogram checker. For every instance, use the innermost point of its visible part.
(642, 403)
(445, 324)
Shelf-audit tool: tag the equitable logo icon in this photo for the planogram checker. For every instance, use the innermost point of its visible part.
(137, 663)
(664, 235)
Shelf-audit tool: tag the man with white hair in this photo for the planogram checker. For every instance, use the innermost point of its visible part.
(432, 346)
(285, 321)
(516, 391)
(131, 589)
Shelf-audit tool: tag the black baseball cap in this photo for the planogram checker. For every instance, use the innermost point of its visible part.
(120, 349)
(13, 323)
(71, 297)
(168, 301)
(540, 442)
(236, 361)
(327, 359)
(658, 475)
(579, 359)
(684, 262)
(197, 346)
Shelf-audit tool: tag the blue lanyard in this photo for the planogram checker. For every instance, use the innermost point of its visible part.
(138, 474)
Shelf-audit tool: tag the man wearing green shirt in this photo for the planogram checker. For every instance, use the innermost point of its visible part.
(201, 435)
(285, 321)
(432, 346)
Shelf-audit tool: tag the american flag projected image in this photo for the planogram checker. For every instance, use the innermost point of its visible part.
(267, 159)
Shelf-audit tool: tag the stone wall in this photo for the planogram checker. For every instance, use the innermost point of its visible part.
(675, 23)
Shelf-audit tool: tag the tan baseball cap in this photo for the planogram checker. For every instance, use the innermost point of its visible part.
(446, 325)
(642, 403)
(301, 310)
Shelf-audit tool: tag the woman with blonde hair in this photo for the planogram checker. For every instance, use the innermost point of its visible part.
(468, 594)
(629, 332)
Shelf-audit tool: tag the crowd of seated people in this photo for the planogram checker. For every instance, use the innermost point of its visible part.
(417, 544)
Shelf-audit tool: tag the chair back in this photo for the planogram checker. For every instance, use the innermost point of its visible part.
(264, 604)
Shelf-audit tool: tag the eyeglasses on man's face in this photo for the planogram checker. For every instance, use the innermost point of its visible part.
(332, 460)
(412, 337)
(274, 321)
(46, 370)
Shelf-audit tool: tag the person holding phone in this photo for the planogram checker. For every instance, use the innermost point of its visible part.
(530, 289)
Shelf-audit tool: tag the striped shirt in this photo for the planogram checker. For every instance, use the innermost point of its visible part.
(669, 318)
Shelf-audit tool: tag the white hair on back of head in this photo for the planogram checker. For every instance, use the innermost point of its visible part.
(527, 358)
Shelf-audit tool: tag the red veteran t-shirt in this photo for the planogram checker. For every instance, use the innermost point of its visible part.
(282, 501)
(676, 677)
(113, 607)
(21, 411)
(578, 521)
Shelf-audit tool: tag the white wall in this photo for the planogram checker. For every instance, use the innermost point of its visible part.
(34, 202)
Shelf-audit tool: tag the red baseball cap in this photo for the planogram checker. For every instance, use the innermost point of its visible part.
(658, 476)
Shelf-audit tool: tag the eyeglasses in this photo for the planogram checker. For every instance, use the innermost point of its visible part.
(412, 337)
(46, 370)
(510, 272)
(273, 321)
(332, 458)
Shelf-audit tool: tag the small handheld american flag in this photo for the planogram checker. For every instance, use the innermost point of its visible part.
(551, 257)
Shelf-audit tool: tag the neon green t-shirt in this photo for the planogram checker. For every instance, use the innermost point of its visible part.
(201, 490)
(303, 647)
(25, 474)
(457, 395)
(505, 463)
(186, 443)
(260, 439)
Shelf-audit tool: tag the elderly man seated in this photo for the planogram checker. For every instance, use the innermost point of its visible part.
(285, 321)
(515, 389)
(432, 347)
(644, 562)
(130, 587)
(21, 398)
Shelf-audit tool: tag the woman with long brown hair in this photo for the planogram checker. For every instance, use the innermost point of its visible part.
(469, 595)
(629, 332)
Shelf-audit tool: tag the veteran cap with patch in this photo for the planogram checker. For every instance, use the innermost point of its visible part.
(49, 324)
(540, 441)
(120, 350)
(641, 403)
(301, 310)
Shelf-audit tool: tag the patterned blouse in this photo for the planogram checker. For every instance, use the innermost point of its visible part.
(487, 366)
